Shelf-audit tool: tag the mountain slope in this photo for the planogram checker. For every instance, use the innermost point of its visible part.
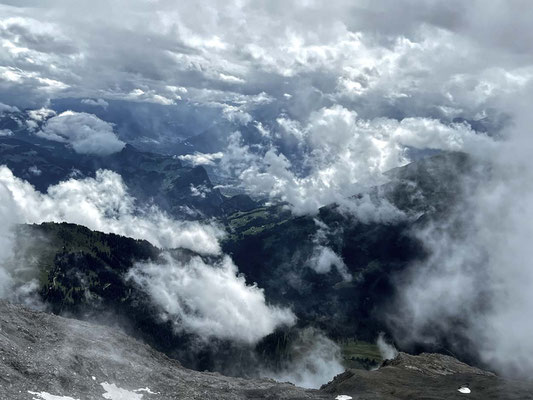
(183, 191)
(43, 355)
(427, 376)
(47, 354)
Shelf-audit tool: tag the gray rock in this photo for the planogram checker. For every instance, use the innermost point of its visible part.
(40, 352)
(427, 376)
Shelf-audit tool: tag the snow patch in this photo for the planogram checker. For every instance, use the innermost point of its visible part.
(343, 397)
(146, 390)
(48, 396)
(464, 389)
(113, 392)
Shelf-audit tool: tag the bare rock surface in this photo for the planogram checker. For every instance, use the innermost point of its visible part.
(46, 357)
(427, 376)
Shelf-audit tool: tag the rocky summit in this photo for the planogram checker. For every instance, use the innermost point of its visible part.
(47, 357)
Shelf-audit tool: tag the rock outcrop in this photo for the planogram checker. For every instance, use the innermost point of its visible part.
(427, 376)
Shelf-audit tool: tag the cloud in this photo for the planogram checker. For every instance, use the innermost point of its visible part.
(103, 203)
(202, 158)
(340, 154)
(86, 133)
(343, 52)
(96, 103)
(4, 108)
(212, 301)
(387, 350)
(17, 280)
(9, 214)
(315, 360)
(324, 258)
(473, 290)
(41, 114)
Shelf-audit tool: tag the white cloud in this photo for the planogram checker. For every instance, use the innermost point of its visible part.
(387, 350)
(210, 300)
(324, 258)
(96, 103)
(34, 170)
(86, 133)
(10, 215)
(41, 114)
(104, 204)
(4, 108)
(202, 158)
(150, 96)
(230, 78)
(315, 360)
(344, 154)
(475, 285)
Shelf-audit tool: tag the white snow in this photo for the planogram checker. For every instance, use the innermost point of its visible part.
(115, 393)
(48, 396)
(464, 389)
(147, 390)
(343, 397)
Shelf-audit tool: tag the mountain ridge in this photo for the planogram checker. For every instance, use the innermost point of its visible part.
(44, 355)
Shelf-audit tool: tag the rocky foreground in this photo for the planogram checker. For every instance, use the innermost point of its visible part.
(46, 357)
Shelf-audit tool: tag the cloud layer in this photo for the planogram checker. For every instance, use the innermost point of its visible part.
(473, 291)
(340, 154)
(212, 301)
(315, 360)
(86, 133)
(104, 204)
(325, 97)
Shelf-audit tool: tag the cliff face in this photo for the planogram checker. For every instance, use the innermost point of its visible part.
(46, 357)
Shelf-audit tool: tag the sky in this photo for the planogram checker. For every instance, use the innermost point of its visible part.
(308, 102)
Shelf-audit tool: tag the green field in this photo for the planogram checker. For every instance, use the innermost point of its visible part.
(359, 354)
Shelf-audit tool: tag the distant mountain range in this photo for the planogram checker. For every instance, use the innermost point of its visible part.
(184, 192)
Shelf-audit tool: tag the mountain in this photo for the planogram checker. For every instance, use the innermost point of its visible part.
(81, 272)
(182, 191)
(43, 357)
(427, 376)
(278, 250)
